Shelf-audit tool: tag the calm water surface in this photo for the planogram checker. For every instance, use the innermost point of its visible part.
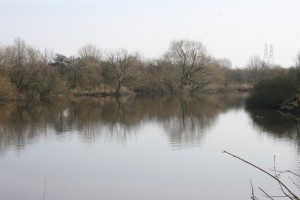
(141, 149)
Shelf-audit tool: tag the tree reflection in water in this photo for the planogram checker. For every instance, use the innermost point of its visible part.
(275, 124)
(184, 119)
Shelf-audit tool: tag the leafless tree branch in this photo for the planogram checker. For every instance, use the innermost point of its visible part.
(292, 195)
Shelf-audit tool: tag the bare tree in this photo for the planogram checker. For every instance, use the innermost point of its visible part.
(90, 58)
(28, 69)
(297, 67)
(48, 56)
(297, 78)
(74, 72)
(22, 59)
(225, 63)
(255, 63)
(90, 53)
(256, 68)
(120, 67)
(20, 54)
(298, 60)
(192, 61)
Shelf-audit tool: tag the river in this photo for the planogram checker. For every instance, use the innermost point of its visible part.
(142, 148)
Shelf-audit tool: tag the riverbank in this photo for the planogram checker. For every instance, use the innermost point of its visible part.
(124, 91)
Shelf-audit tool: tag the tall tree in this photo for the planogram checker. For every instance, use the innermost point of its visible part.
(121, 68)
(256, 68)
(90, 53)
(90, 58)
(192, 63)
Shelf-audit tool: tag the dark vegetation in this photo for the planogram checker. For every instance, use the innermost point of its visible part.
(277, 86)
(185, 69)
(274, 89)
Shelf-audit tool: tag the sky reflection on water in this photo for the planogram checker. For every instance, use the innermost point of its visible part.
(140, 148)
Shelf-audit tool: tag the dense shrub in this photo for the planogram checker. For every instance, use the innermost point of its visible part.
(7, 89)
(36, 81)
(272, 91)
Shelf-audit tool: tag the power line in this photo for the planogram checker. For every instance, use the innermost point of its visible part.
(271, 57)
(266, 54)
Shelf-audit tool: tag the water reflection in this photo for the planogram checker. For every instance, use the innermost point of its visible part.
(184, 119)
(195, 115)
(274, 123)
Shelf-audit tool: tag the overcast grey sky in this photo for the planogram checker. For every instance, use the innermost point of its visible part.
(234, 29)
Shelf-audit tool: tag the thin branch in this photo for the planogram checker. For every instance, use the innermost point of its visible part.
(253, 197)
(280, 182)
(293, 173)
(280, 185)
(45, 187)
(283, 196)
(266, 193)
(294, 183)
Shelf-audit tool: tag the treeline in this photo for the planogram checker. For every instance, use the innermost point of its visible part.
(185, 68)
(277, 86)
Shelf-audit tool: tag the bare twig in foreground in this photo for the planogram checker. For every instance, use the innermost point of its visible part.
(293, 173)
(253, 197)
(266, 194)
(45, 186)
(264, 171)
